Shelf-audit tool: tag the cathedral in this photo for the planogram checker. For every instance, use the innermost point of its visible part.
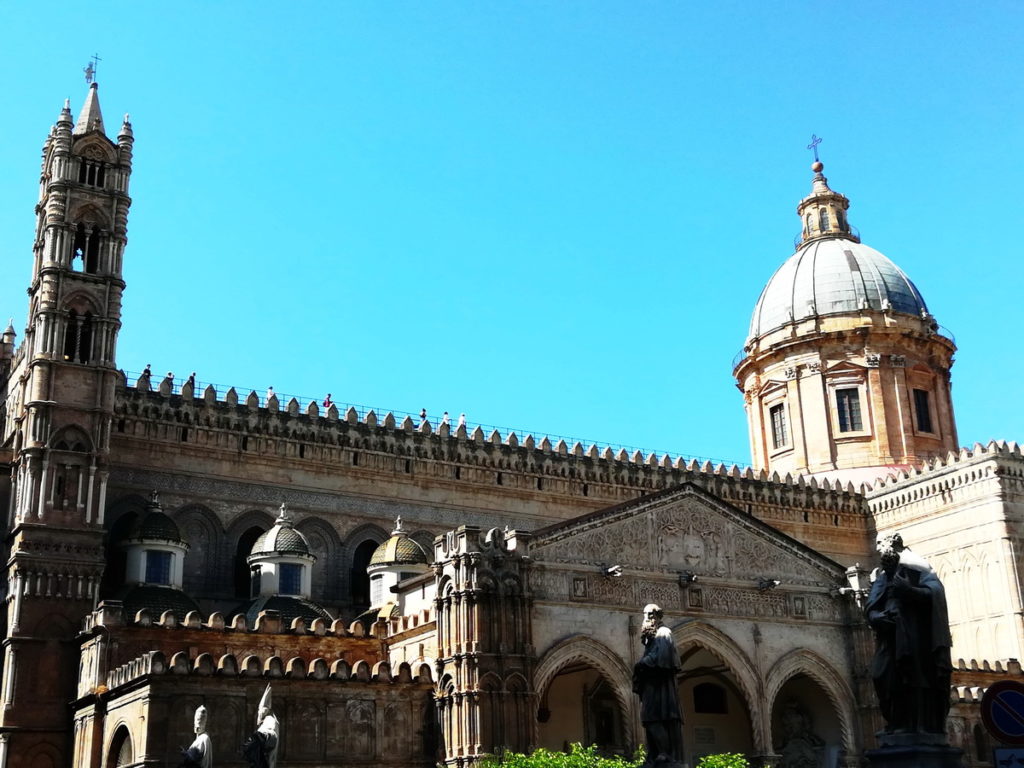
(419, 592)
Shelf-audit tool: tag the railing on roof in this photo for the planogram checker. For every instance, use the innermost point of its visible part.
(284, 398)
(852, 231)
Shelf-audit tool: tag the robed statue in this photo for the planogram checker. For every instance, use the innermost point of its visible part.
(200, 753)
(654, 681)
(260, 749)
(911, 668)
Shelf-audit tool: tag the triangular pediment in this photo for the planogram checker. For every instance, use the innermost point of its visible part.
(844, 366)
(684, 529)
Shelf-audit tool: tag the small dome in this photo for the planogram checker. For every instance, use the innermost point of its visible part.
(282, 539)
(833, 276)
(154, 525)
(399, 549)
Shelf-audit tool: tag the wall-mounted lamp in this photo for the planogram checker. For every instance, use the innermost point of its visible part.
(686, 578)
(611, 571)
(763, 585)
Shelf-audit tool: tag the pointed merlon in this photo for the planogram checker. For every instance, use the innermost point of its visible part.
(90, 118)
(371, 419)
(561, 448)
(495, 437)
(513, 441)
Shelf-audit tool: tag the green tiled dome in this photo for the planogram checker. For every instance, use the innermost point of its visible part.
(399, 550)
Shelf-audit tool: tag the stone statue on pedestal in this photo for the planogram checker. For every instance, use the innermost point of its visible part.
(654, 681)
(911, 668)
(200, 754)
(260, 749)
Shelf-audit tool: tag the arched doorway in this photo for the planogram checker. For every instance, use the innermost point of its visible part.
(806, 729)
(716, 717)
(580, 705)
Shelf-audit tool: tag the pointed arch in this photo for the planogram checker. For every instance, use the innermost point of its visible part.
(693, 632)
(71, 438)
(203, 571)
(120, 752)
(801, 661)
(325, 544)
(579, 648)
(358, 546)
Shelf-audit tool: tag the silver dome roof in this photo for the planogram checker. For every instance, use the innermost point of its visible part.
(833, 276)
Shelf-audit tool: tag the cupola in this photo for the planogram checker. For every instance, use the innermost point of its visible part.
(155, 559)
(281, 570)
(399, 557)
(280, 560)
(845, 372)
(823, 212)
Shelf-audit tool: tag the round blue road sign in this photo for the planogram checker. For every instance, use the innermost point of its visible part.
(1002, 711)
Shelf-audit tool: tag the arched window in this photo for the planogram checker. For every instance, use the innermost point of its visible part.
(823, 220)
(841, 220)
(243, 576)
(92, 172)
(78, 337)
(808, 230)
(359, 590)
(121, 753)
(86, 246)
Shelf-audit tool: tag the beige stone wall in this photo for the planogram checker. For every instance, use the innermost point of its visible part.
(884, 356)
(963, 515)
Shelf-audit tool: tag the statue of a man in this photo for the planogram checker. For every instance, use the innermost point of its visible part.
(260, 749)
(654, 681)
(912, 667)
(200, 754)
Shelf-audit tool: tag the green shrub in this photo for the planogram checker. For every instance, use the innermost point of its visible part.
(725, 760)
(578, 756)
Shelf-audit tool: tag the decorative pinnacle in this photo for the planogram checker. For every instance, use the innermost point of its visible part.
(90, 69)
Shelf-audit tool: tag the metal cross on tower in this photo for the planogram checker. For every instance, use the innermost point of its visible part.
(91, 67)
(813, 146)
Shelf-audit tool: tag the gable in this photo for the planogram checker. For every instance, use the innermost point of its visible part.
(685, 529)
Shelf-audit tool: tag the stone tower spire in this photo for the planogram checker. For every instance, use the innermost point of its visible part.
(59, 392)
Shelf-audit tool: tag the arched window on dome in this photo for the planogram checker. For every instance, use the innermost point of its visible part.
(823, 222)
(841, 221)
(807, 230)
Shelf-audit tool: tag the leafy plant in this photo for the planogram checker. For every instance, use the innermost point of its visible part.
(578, 756)
(724, 760)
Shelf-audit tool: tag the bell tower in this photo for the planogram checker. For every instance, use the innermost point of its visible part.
(58, 402)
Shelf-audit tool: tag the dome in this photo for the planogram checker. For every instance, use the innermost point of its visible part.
(155, 525)
(830, 276)
(399, 549)
(282, 538)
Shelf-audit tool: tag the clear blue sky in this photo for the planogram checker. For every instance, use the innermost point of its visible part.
(554, 216)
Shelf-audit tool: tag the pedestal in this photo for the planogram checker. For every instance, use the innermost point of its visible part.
(914, 750)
